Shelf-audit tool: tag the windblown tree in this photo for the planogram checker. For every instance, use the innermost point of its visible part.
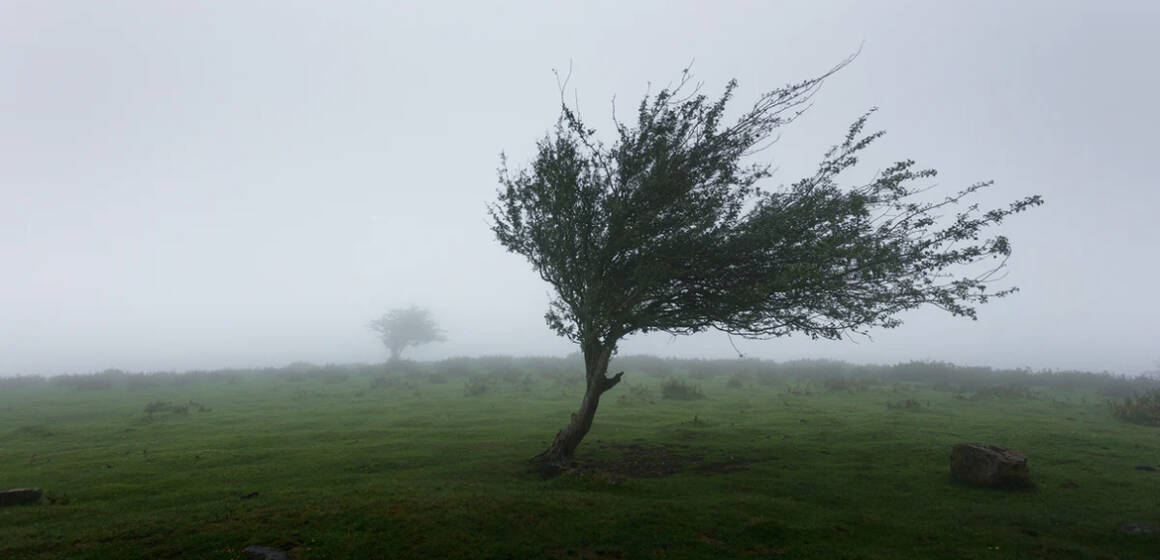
(667, 229)
(403, 327)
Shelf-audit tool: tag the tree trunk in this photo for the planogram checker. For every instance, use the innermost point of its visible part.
(395, 354)
(560, 454)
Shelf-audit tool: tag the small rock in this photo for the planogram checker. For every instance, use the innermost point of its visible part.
(989, 465)
(265, 553)
(1148, 468)
(1138, 529)
(20, 496)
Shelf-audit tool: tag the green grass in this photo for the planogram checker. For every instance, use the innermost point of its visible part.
(421, 465)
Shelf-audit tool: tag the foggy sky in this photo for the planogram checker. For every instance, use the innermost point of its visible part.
(235, 184)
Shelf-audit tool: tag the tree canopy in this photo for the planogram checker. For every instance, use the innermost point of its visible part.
(668, 229)
(404, 327)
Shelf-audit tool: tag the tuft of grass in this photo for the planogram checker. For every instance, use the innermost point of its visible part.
(158, 408)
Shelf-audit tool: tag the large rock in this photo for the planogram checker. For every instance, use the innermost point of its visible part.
(20, 496)
(989, 465)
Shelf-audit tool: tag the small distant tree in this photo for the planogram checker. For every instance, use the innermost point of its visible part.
(667, 230)
(403, 327)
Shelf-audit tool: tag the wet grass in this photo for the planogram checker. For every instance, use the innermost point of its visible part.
(358, 464)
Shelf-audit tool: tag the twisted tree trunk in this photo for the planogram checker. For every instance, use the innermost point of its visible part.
(561, 453)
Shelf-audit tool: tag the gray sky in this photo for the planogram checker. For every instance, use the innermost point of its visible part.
(224, 184)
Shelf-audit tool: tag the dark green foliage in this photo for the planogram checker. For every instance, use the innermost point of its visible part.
(1141, 408)
(675, 389)
(666, 228)
(738, 380)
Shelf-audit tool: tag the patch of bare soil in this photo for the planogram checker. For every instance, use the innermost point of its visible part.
(639, 460)
(734, 464)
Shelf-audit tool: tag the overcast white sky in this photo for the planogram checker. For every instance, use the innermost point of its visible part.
(222, 184)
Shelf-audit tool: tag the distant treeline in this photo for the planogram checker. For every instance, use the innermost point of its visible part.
(570, 370)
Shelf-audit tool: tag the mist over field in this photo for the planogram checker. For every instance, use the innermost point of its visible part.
(245, 185)
(301, 280)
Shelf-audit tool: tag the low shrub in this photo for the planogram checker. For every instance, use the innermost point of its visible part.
(476, 385)
(637, 394)
(737, 380)
(798, 391)
(1139, 408)
(675, 389)
(164, 407)
(908, 404)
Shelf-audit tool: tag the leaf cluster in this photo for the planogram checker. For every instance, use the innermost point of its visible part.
(667, 228)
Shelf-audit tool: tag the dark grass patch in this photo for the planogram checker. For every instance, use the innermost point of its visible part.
(908, 404)
(33, 431)
(727, 466)
(638, 460)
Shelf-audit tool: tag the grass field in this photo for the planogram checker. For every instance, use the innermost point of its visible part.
(806, 460)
